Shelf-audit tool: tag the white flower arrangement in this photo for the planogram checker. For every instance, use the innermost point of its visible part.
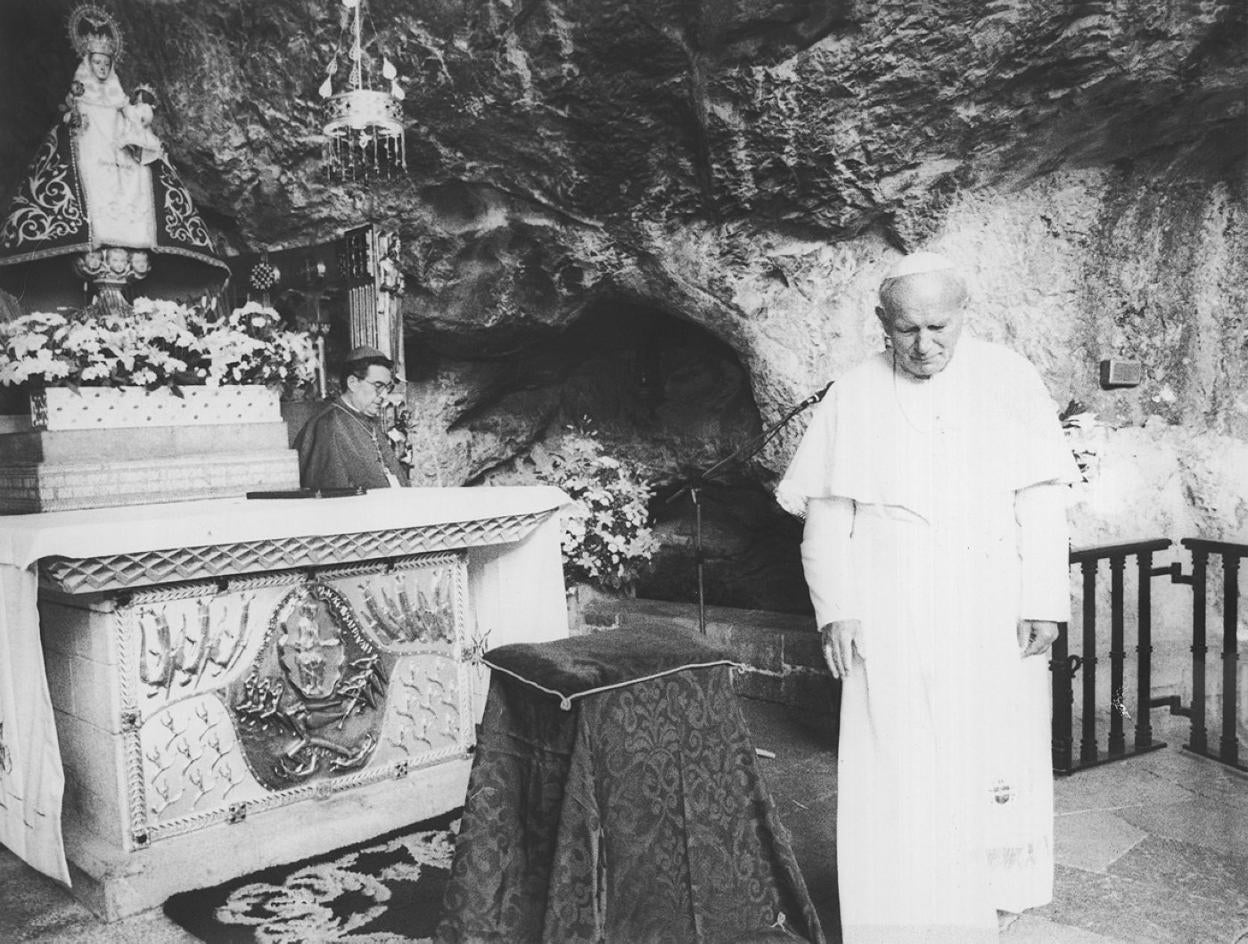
(607, 540)
(160, 343)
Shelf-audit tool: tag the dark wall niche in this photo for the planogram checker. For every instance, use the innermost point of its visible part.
(664, 393)
(751, 550)
(674, 398)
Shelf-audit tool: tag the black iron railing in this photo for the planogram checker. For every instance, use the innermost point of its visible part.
(1231, 555)
(1065, 666)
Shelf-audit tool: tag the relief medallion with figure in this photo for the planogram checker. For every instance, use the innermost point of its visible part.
(313, 703)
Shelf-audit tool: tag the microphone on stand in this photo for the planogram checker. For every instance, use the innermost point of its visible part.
(816, 397)
(694, 486)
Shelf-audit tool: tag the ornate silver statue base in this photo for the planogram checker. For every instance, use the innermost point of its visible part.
(111, 269)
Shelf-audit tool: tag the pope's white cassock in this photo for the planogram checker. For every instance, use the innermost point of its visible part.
(936, 516)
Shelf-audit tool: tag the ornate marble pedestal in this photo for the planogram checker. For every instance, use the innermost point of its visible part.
(129, 446)
(237, 684)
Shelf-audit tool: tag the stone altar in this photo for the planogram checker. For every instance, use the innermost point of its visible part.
(237, 684)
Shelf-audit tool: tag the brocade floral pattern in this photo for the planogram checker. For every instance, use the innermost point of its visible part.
(637, 817)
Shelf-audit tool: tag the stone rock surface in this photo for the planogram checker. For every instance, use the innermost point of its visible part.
(746, 170)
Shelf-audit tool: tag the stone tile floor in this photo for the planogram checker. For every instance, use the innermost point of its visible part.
(1151, 850)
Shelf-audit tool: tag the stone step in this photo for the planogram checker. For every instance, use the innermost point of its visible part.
(99, 445)
(63, 486)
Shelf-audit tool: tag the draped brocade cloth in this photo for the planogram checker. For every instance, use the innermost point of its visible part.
(615, 799)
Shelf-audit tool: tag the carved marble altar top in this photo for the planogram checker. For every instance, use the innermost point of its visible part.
(258, 534)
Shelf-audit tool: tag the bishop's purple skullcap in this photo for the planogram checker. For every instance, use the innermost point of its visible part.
(364, 352)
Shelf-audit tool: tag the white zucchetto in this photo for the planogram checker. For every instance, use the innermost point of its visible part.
(917, 262)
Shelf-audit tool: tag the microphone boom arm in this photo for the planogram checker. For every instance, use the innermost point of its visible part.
(749, 448)
(755, 444)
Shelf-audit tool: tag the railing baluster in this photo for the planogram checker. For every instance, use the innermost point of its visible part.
(1087, 746)
(1198, 740)
(1144, 651)
(1064, 665)
(1231, 554)
(1063, 698)
(1117, 654)
(1230, 657)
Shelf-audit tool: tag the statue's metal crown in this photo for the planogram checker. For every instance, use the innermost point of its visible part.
(101, 42)
(92, 29)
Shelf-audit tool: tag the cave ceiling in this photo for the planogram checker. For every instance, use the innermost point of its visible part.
(553, 146)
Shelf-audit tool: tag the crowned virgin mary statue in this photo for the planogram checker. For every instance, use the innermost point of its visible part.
(100, 198)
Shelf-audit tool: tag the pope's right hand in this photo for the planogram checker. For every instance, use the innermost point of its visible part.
(841, 640)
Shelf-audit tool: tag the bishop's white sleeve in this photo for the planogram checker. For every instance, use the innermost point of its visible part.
(825, 558)
(1043, 549)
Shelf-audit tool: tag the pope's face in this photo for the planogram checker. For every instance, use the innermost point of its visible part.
(101, 65)
(923, 320)
(368, 396)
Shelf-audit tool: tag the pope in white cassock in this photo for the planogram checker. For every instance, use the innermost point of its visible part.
(933, 480)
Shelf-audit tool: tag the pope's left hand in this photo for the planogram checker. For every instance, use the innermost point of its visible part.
(1036, 636)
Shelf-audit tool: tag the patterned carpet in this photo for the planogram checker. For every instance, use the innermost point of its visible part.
(384, 891)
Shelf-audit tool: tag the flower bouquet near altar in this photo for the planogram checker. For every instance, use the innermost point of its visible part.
(607, 540)
(160, 344)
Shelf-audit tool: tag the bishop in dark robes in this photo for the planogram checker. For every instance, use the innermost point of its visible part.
(344, 445)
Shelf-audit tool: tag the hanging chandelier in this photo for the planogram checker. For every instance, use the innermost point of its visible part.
(364, 124)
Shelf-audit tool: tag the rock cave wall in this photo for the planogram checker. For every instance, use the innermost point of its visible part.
(748, 168)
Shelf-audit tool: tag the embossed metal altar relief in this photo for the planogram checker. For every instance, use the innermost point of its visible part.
(413, 610)
(313, 701)
(202, 644)
(284, 687)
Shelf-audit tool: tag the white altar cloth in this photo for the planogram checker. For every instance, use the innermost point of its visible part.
(32, 780)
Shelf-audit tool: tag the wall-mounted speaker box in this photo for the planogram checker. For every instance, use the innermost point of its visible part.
(1116, 373)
